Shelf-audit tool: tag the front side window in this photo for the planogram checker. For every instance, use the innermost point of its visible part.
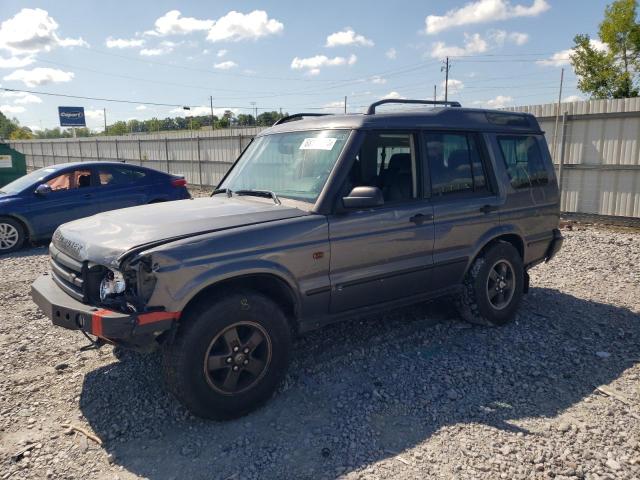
(454, 164)
(293, 165)
(70, 180)
(523, 159)
(386, 161)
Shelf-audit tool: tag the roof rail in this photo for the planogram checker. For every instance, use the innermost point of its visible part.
(372, 108)
(298, 116)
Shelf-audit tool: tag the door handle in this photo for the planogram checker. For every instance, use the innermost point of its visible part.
(488, 208)
(419, 218)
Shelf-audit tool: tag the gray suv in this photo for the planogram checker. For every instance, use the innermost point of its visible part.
(321, 218)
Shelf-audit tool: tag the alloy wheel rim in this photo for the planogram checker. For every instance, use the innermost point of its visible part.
(501, 284)
(237, 358)
(8, 236)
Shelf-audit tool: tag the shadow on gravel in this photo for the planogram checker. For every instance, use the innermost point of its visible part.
(362, 391)
(27, 251)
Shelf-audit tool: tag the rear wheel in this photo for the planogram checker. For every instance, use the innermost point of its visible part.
(493, 286)
(12, 235)
(229, 355)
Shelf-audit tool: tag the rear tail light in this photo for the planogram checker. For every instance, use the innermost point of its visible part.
(179, 182)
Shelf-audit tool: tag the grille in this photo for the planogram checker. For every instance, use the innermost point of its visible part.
(68, 274)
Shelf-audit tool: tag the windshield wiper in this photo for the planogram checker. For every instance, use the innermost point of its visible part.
(222, 190)
(260, 193)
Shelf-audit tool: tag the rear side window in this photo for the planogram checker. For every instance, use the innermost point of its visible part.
(454, 164)
(119, 176)
(523, 159)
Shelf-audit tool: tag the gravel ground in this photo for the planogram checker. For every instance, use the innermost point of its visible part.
(412, 394)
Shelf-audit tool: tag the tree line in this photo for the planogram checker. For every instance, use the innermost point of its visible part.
(11, 128)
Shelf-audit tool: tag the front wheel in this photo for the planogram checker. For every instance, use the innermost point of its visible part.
(493, 286)
(229, 355)
(12, 235)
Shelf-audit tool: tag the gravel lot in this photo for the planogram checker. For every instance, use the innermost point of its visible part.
(413, 394)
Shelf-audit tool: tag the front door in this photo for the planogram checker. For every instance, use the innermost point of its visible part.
(383, 253)
(465, 202)
(72, 196)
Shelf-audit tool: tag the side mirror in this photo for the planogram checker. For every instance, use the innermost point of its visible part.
(43, 190)
(363, 197)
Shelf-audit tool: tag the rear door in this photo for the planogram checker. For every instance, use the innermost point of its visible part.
(73, 195)
(465, 202)
(383, 253)
(122, 187)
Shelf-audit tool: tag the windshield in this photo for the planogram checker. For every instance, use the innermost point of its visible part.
(28, 180)
(292, 165)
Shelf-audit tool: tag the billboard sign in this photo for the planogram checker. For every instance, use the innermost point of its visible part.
(71, 116)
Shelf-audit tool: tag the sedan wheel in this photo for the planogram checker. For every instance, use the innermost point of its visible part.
(9, 236)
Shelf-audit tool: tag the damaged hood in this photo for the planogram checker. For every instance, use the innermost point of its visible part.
(104, 237)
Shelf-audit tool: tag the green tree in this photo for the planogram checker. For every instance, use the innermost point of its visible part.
(6, 126)
(21, 133)
(611, 72)
(118, 128)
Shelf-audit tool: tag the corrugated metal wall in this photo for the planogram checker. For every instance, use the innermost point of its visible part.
(599, 152)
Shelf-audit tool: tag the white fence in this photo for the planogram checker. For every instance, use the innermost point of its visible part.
(596, 151)
(203, 157)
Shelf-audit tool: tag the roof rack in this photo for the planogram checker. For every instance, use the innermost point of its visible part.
(372, 108)
(298, 116)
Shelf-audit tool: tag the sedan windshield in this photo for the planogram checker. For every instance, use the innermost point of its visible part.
(26, 181)
(292, 165)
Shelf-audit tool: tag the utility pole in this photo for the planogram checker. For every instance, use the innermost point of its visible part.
(555, 133)
(435, 93)
(104, 114)
(445, 68)
(345, 104)
(211, 103)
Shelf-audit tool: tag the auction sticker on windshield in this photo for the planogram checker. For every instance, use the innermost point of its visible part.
(323, 143)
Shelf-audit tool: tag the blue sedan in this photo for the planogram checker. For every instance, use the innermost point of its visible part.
(33, 206)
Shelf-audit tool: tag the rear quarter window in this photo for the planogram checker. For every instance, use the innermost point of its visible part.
(523, 159)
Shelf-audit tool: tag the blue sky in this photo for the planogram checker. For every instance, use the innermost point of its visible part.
(298, 56)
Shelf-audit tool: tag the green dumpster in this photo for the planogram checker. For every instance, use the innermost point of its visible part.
(12, 164)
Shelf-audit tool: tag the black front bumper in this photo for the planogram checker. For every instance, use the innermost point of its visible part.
(138, 330)
(555, 245)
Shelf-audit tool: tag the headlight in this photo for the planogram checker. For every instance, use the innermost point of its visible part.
(112, 284)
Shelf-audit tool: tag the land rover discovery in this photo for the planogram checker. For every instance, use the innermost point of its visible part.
(321, 218)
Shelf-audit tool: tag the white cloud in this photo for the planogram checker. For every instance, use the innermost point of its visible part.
(563, 57)
(482, 11)
(347, 37)
(225, 65)
(500, 37)
(572, 98)
(454, 86)
(173, 23)
(16, 61)
(391, 54)
(221, 53)
(313, 64)
(124, 42)
(473, 44)
(32, 30)
(378, 80)
(393, 95)
(162, 49)
(12, 109)
(21, 98)
(140, 108)
(40, 76)
(96, 114)
(236, 26)
(501, 101)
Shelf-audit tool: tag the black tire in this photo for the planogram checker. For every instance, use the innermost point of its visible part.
(12, 235)
(474, 303)
(202, 330)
